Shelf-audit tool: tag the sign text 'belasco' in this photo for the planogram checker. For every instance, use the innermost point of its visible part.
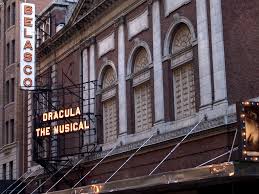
(27, 50)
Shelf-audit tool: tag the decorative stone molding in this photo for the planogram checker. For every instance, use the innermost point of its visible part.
(120, 21)
(208, 126)
(139, 79)
(181, 58)
(138, 43)
(176, 22)
(102, 71)
(108, 94)
(138, 24)
(171, 6)
(106, 45)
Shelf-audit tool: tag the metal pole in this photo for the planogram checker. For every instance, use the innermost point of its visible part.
(94, 167)
(233, 143)
(29, 183)
(129, 158)
(65, 175)
(175, 147)
(49, 178)
(235, 149)
(22, 181)
(14, 183)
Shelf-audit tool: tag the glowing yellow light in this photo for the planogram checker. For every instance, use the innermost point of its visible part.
(247, 103)
(244, 133)
(244, 152)
(255, 158)
(242, 115)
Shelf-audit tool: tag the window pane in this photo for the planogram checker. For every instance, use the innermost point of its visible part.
(184, 91)
(11, 170)
(12, 89)
(12, 130)
(13, 13)
(7, 92)
(4, 171)
(13, 51)
(8, 17)
(8, 54)
(6, 132)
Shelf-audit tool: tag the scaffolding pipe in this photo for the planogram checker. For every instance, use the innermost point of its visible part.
(22, 181)
(129, 158)
(65, 175)
(235, 149)
(29, 182)
(49, 178)
(14, 183)
(233, 143)
(176, 147)
(95, 166)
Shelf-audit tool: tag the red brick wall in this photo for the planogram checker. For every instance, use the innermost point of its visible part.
(40, 4)
(241, 38)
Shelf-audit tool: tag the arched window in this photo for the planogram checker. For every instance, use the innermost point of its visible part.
(183, 73)
(142, 91)
(109, 105)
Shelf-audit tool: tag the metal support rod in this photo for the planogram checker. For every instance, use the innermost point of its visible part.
(22, 181)
(129, 158)
(176, 147)
(29, 182)
(94, 166)
(49, 178)
(233, 143)
(14, 182)
(235, 149)
(65, 175)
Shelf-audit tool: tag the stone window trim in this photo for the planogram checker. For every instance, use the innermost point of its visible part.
(138, 44)
(182, 61)
(177, 58)
(178, 20)
(106, 64)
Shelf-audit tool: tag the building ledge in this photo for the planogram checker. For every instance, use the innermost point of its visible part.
(207, 175)
(7, 148)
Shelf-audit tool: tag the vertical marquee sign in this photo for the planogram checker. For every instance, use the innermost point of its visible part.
(248, 116)
(27, 44)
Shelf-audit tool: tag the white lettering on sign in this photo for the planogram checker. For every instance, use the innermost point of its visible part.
(27, 46)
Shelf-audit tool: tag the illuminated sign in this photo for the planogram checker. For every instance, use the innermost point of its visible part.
(27, 46)
(248, 114)
(61, 128)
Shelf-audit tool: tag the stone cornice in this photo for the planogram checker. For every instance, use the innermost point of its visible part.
(77, 23)
(207, 127)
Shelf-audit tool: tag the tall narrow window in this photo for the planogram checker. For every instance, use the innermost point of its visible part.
(12, 131)
(109, 106)
(6, 132)
(7, 97)
(8, 17)
(11, 170)
(47, 28)
(13, 51)
(0, 28)
(12, 89)
(13, 13)
(4, 171)
(183, 73)
(142, 91)
(8, 54)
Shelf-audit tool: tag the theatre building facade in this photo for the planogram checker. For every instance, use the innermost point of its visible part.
(147, 76)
